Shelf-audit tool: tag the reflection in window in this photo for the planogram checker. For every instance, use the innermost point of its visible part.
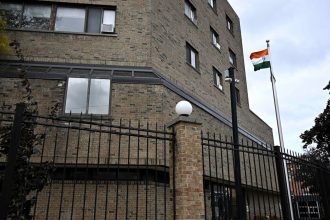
(88, 96)
(70, 19)
(36, 17)
(12, 13)
(76, 97)
(99, 96)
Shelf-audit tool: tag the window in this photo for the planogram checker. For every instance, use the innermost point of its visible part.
(87, 96)
(12, 12)
(59, 18)
(232, 58)
(218, 80)
(308, 209)
(189, 10)
(192, 56)
(215, 38)
(36, 17)
(238, 96)
(70, 19)
(230, 25)
(212, 3)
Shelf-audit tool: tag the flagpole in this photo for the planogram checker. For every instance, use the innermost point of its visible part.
(279, 129)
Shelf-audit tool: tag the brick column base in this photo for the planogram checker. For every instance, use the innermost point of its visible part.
(188, 172)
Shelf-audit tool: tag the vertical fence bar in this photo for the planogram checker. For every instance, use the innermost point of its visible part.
(165, 151)
(282, 184)
(75, 167)
(137, 182)
(8, 181)
(97, 169)
(108, 171)
(128, 167)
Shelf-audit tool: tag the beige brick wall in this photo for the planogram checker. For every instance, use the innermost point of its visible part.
(140, 197)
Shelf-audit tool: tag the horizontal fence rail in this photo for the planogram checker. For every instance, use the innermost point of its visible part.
(101, 169)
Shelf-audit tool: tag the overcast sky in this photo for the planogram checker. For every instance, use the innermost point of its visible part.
(299, 34)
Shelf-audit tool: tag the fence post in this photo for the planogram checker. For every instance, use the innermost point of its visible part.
(188, 170)
(8, 181)
(323, 194)
(282, 183)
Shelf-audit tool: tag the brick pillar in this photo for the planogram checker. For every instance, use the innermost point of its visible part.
(188, 172)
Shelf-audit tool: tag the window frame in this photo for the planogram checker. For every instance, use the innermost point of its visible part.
(215, 74)
(189, 50)
(89, 80)
(52, 21)
(192, 9)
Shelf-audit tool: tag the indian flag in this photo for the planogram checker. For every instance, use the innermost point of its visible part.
(260, 59)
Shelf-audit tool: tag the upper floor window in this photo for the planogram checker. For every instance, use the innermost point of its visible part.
(218, 80)
(189, 10)
(88, 96)
(192, 56)
(59, 17)
(215, 38)
(230, 25)
(232, 58)
(212, 3)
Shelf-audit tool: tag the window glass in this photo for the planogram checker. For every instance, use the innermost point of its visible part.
(229, 24)
(70, 19)
(232, 57)
(189, 10)
(12, 13)
(193, 58)
(218, 78)
(99, 96)
(94, 20)
(214, 38)
(36, 17)
(211, 2)
(76, 97)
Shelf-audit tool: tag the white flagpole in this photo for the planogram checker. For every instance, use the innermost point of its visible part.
(279, 128)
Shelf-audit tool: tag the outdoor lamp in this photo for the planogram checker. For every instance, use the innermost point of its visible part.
(183, 108)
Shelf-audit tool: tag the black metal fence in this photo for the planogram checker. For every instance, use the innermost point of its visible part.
(100, 169)
(263, 182)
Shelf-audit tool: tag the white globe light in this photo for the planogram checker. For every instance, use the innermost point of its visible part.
(183, 108)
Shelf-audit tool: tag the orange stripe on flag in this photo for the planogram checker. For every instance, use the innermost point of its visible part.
(259, 54)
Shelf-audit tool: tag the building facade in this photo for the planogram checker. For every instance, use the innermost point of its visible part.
(146, 55)
(107, 60)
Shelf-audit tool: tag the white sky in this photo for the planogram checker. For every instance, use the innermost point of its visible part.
(299, 34)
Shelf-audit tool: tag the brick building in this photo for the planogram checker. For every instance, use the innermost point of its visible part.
(133, 60)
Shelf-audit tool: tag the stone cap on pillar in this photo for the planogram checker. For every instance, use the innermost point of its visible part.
(186, 119)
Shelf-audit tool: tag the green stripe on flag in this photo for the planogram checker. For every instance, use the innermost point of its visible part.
(262, 65)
